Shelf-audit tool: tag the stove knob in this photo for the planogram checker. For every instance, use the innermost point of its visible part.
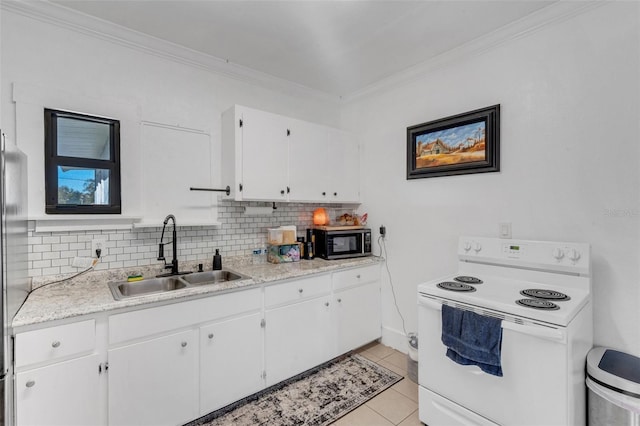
(558, 253)
(477, 247)
(467, 246)
(573, 254)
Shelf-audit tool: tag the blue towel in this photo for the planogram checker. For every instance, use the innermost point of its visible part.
(472, 339)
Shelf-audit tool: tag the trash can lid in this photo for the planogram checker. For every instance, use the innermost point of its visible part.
(615, 370)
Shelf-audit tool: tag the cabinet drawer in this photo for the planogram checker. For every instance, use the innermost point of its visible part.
(52, 343)
(297, 290)
(146, 322)
(356, 276)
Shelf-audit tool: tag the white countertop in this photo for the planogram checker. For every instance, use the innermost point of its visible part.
(89, 293)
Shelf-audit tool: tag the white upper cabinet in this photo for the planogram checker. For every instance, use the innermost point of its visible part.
(269, 157)
(308, 161)
(344, 170)
(175, 159)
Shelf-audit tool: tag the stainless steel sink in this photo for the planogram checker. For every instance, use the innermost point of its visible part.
(212, 277)
(123, 290)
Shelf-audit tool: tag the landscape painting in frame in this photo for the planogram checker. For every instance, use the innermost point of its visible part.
(460, 144)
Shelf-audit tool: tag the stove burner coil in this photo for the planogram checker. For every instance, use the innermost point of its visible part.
(538, 304)
(468, 280)
(544, 294)
(454, 286)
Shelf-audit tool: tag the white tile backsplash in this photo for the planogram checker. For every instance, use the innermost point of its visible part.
(53, 252)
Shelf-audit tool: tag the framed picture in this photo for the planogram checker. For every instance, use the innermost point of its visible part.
(461, 144)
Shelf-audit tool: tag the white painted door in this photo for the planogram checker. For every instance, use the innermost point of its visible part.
(308, 169)
(356, 317)
(230, 361)
(65, 393)
(265, 159)
(344, 167)
(175, 159)
(296, 338)
(154, 382)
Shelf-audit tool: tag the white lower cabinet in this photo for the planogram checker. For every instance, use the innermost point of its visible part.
(65, 393)
(230, 361)
(154, 382)
(296, 338)
(173, 363)
(356, 317)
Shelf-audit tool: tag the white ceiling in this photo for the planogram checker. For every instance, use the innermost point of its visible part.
(336, 47)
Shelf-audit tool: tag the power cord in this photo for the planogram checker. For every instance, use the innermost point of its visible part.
(93, 264)
(383, 249)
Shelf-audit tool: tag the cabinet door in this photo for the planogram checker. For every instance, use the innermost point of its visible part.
(173, 160)
(296, 338)
(230, 361)
(344, 170)
(66, 393)
(356, 317)
(154, 382)
(308, 166)
(265, 157)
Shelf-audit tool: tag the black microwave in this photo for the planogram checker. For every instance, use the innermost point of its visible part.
(342, 243)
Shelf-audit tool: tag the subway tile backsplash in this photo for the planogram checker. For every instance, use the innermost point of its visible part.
(52, 253)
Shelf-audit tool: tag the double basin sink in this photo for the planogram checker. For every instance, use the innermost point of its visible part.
(125, 290)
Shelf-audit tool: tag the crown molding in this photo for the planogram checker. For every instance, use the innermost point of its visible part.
(553, 14)
(73, 20)
(70, 19)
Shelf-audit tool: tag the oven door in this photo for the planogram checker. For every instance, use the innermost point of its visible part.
(533, 389)
(344, 244)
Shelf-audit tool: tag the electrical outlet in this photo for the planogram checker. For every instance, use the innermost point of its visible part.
(505, 230)
(98, 244)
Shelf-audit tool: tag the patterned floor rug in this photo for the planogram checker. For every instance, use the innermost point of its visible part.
(316, 397)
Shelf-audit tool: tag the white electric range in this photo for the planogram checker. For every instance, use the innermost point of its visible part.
(542, 293)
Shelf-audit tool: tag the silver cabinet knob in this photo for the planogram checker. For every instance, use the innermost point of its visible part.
(31, 383)
(210, 335)
(300, 290)
(55, 344)
(184, 344)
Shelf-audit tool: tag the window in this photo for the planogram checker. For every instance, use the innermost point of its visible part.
(82, 163)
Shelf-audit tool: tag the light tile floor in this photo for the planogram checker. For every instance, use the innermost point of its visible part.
(397, 405)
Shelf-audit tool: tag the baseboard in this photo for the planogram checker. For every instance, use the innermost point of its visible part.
(395, 338)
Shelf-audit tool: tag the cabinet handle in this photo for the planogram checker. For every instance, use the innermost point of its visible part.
(324, 193)
(326, 303)
(358, 276)
(335, 194)
(184, 344)
(55, 344)
(282, 192)
(300, 290)
(31, 383)
(210, 335)
(339, 300)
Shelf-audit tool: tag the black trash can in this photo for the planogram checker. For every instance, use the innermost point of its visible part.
(613, 382)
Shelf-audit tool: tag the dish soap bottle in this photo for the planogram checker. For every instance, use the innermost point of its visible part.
(217, 261)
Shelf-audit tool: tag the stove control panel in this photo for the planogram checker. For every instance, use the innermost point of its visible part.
(566, 257)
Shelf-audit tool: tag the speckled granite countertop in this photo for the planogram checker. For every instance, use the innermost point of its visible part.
(89, 293)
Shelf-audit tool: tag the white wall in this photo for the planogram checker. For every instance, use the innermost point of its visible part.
(58, 67)
(570, 103)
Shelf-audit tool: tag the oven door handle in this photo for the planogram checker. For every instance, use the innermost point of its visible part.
(542, 331)
(548, 333)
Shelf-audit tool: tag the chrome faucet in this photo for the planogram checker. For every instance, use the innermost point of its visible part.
(174, 244)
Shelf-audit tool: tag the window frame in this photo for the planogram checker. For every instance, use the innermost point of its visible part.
(52, 160)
